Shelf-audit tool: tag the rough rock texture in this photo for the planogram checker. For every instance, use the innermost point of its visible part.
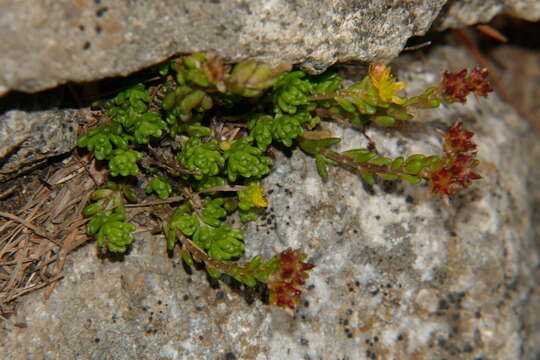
(459, 13)
(45, 43)
(28, 139)
(400, 273)
(520, 79)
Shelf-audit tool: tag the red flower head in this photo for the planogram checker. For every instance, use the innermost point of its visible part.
(457, 86)
(478, 81)
(456, 170)
(457, 140)
(286, 284)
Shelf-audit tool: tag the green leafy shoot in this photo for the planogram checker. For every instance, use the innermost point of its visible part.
(202, 135)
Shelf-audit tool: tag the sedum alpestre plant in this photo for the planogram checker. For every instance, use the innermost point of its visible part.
(198, 137)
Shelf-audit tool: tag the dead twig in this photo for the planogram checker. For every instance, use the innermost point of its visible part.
(8, 192)
(20, 292)
(417, 47)
(225, 188)
(29, 225)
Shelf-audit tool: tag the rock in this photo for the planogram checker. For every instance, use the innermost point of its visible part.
(520, 80)
(28, 139)
(46, 44)
(458, 14)
(399, 273)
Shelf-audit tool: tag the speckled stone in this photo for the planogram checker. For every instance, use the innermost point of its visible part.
(458, 14)
(399, 274)
(45, 43)
(29, 138)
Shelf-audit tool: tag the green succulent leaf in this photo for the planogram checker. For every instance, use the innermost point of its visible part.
(184, 102)
(313, 147)
(321, 167)
(411, 179)
(116, 235)
(103, 140)
(160, 186)
(291, 91)
(245, 160)
(326, 83)
(111, 230)
(106, 201)
(133, 96)
(187, 224)
(186, 256)
(346, 105)
(288, 127)
(147, 125)
(384, 120)
(190, 70)
(397, 163)
(250, 79)
(129, 194)
(386, 176)
(170, 235)
(261, 129)
(361, 155)
(99, 220)
(228, 244)
(92, 209)
(367, 176)
(124, 162)
(213, 211)
(203, 157)
(381, 161)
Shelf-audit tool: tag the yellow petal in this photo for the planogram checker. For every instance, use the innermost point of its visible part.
(398, 100)
(400, 85)
(383, 81)
(257, 197)
(378, 73)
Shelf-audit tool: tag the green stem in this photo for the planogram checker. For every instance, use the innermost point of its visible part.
(348, 162)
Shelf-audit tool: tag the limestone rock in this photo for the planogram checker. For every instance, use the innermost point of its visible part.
(458, 14)
(44, 44)
(399, 273)
(28, 139)
(49, 43)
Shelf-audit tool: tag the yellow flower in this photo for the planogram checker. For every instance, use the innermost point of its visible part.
(383, 81)
(257, 197)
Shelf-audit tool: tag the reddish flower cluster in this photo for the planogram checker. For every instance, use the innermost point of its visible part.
(286, 284)
(457, 86)
(458, 141)
(456, 170)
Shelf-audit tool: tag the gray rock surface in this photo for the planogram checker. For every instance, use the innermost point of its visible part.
(45, 43)
(400, 273)
(29, 138)
(457, 13)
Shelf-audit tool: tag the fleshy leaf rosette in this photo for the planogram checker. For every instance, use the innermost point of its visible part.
(286, 284)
